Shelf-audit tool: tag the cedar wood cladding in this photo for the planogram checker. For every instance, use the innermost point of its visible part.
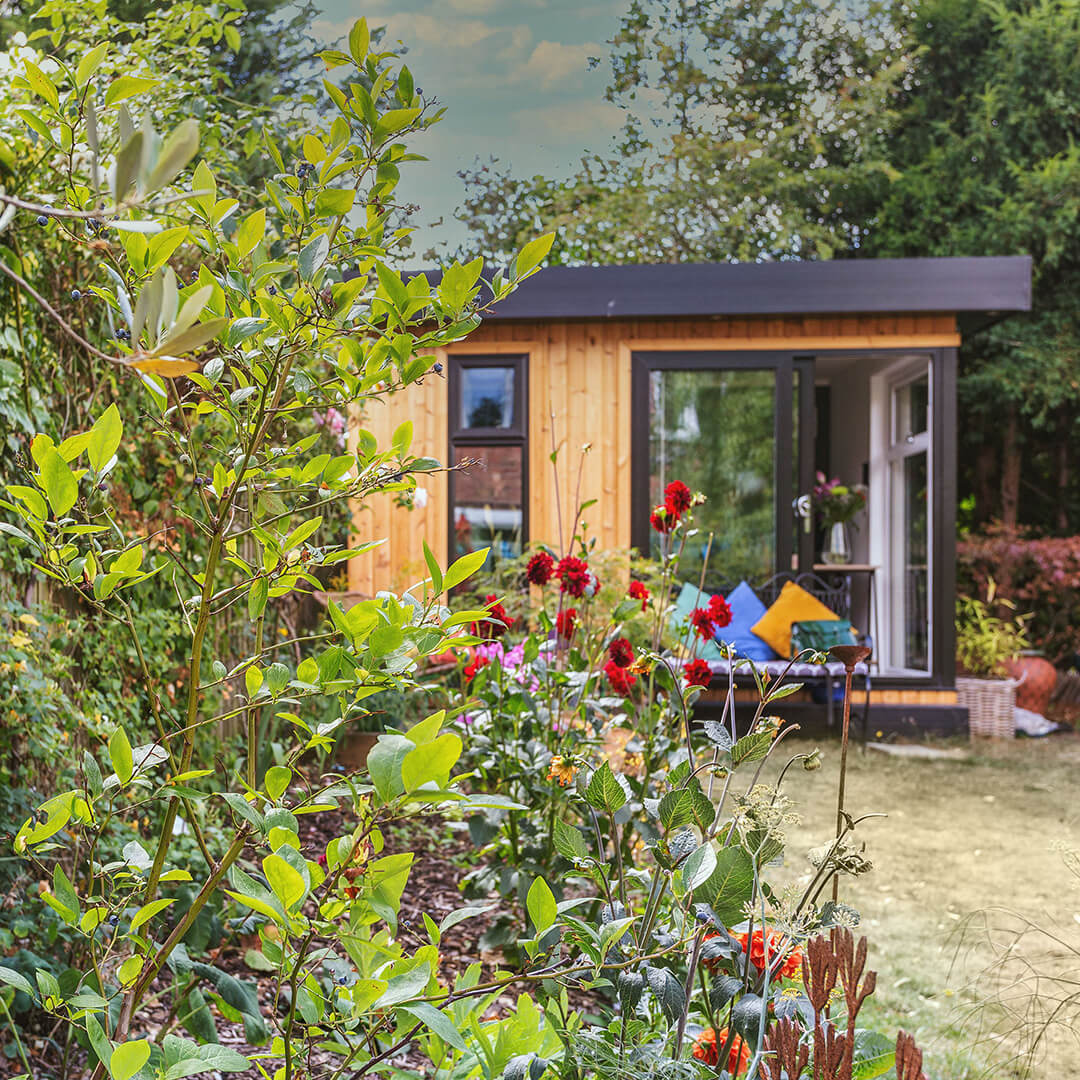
(579, 373)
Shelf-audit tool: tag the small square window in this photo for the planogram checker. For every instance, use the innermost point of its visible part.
(487, 397)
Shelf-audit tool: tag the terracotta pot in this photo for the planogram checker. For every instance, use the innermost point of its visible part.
(1037, 679)
(354, 748)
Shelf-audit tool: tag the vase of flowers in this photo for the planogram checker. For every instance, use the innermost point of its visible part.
(837, 504)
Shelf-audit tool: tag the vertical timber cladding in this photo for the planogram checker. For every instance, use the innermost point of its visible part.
(579, 392)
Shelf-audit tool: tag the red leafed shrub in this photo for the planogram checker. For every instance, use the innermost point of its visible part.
(1039, 575)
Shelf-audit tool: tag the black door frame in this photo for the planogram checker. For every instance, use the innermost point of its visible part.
(787, 365)
(944, 462)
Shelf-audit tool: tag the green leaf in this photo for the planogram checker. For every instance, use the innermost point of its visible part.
(128, 1058)
(729, 886)
(334, 202)
(699, 866)
(287, 884)
(147, 912)
(540, 903)
(278, 778)
(431, 762)
(532, 254)
(65, 892)
(257, 595)
(464, 568)
(127, 86)
(677, 808)
(105, 437)
(57, 480)
(178, 149)
(569, 842)
(604, 791)
(98, 1040)
(438, 1022)
(13, 978)
(669, 993)
(182, 1057)
(120, 755)
(433, 568)
(384, 764)
(875, 1054)
(752, 747)
(250, 232)
(90, 63)
(312, 256)
(359, 41)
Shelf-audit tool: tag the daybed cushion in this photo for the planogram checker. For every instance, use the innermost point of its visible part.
(746, 610)
(821, 634)
(794, 604)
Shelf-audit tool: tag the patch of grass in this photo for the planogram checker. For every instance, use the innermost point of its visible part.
(961, 836)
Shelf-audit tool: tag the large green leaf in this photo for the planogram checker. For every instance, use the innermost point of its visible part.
(128, 1058)
(729, 886)
(604, 791)
(431, 762)
(540, 903)
(57, 480)
(105, 437)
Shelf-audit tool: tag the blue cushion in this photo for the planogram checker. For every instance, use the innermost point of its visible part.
(746, 609)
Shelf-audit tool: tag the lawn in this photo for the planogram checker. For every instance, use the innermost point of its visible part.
(961, 836)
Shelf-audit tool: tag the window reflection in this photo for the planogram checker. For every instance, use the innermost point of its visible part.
(488, 509)
(487, 397)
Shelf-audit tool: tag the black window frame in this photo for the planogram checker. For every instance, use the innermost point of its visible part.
(516, 435)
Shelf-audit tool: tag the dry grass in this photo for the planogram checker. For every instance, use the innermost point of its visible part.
(960, 837)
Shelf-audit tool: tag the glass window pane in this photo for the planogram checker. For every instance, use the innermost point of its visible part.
(911, 409)
(916, 564)
(487, 397)
(488, 501)
(715, 431)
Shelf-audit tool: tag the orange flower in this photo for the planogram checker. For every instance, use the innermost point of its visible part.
(792, 963)
(561, 771)
(707, 1048)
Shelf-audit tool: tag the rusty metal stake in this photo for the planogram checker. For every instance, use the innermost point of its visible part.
(849, 656)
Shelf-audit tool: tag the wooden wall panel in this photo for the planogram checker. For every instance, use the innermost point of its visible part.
(579, 371)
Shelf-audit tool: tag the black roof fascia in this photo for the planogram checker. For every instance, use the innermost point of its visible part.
(984, 287)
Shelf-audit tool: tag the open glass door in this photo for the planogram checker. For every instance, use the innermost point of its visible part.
(728, 425)
(909, 536)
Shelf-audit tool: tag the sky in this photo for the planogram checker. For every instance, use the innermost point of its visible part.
(515, 80)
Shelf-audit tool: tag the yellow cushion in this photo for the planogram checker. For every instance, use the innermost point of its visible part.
(794, 604)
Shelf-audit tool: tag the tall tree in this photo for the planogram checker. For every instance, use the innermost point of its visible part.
(988, 164)
(755, 129)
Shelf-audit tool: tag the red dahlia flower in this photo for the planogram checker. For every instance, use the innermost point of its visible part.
(620, 680)
(719, 611)
(565, 623)
(474, 665)
(662, 521)
(677, 498)
(697, 673)
(638, 591)
(541, 568)
(574, 575)
(709, 1043)
(621, 652)
(501, 621)
(701, 621)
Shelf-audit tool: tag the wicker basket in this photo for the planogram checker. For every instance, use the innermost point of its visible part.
(991, 705)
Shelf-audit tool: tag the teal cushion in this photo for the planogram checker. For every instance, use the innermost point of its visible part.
(746, 609)
(821, 635)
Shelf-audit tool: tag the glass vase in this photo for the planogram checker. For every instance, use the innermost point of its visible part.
(838, 545)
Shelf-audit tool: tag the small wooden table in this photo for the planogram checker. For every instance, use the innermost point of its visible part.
(848, 571)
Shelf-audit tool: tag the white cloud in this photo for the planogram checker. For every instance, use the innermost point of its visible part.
(553, 63)
(591, 121)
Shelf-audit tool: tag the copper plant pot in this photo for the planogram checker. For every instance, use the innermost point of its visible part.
(1036, 678)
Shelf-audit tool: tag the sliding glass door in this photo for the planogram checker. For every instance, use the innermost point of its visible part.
(727, 425)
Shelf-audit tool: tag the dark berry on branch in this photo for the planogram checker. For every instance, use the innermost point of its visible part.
(114, 920)
(437, 369)
(75, 294)
(272, 290)
(42, 219)
(103, 486)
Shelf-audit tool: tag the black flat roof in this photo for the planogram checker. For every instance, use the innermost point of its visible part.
(978, 289)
